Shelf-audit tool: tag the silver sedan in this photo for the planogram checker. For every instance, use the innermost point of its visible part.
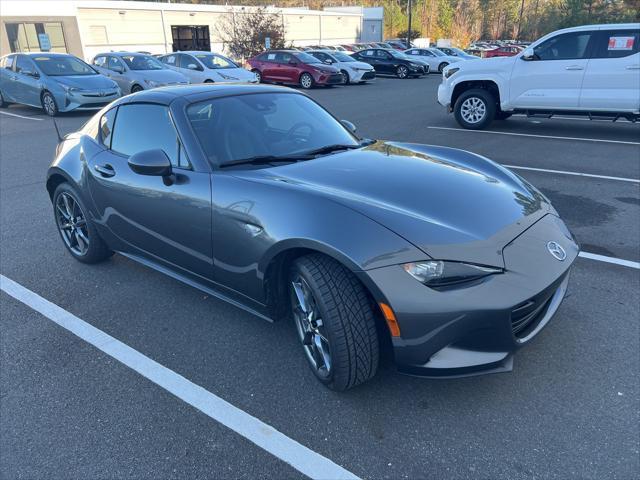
(434, 57)
(207, 67)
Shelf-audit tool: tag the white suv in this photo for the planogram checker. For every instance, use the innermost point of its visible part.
(591, 70)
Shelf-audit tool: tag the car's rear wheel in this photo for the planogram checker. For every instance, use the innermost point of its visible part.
(78, 232)
(258, 75)
(49, 104)
(2, 102)
(402, 71)
(136, 88)
(335, 322)
(345, 77)
(442, 66)
(475, 109)
(306, 81)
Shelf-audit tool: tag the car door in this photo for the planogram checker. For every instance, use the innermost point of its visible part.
(551, 78)
(27, 87)
(190, 67)
(612, 79)
(370, 57)
(386, 61)
(268, 66)
(288, 67)
(117, 72)
(157, 217)
(171, 61)
(8, 78)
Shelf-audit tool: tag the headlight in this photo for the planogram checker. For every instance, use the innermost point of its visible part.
(438, 273)
(447, 73)
(68, 89)
(153, 83)
(414, 65)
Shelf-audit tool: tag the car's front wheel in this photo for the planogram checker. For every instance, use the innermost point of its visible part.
(136, 89)
(49, 104)
(2, 102)
(335, 322)
(258, 75)
(306, 81)
(78, 232)
(345, 77)
(475, 109)
(442, 66)
(402, 71)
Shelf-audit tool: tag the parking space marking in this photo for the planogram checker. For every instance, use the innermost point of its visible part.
(303, 459)
(615, 261)
(22, 116)
(578, 174)
(602, 140)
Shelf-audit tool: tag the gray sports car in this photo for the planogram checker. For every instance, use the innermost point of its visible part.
(259, 196)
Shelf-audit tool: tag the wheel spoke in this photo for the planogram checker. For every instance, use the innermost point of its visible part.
(67, 206)
(298, 289)
(62, 211)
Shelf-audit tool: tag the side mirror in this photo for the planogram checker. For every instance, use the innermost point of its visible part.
(349, 126)
(151, 162)
(292, 62)
(329, 62)
(118, 69)
(528, 55)
(192, 66)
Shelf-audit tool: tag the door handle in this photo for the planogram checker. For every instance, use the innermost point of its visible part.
(632, 67)
(574, 67)
(105, 170)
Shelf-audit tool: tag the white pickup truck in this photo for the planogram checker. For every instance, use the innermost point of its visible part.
(593, 70)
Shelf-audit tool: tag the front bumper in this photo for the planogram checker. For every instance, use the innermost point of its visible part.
(444, 95)
(86, 99)
(476, 329)
(328, 79)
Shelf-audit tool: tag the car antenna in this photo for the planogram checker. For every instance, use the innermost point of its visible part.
(55, 125)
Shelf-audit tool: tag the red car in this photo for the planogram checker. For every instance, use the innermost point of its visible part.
(291, 66)
(507, 51)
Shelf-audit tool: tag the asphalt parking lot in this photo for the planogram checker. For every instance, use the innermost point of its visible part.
(569, 409)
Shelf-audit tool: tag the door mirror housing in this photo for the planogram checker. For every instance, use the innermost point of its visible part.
(118, 69)
(293, 62)
(528, 55)
(192, 66)
(151, 162)
(349, 126)
(30, 73)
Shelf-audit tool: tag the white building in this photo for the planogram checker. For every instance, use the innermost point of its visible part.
(85, 28)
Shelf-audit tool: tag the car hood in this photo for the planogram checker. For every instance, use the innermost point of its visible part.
(452, 204)
(235, 74)
(358, 64)
(163, 76)
(85, 82)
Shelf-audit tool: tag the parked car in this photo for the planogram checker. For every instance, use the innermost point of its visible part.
(457, 52)
(352, 70)
(207, 67)
(593, 70)
(506, 51)
(258, 196)
(398, 44)
(288, 66)
(57, 82)
(135, 71)
(391, 62)
(435, 58)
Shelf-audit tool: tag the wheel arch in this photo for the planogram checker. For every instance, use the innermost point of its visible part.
(489, 85)
(55, 179)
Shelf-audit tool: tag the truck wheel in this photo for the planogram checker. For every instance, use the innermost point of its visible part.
(475, 109)
(334, 320)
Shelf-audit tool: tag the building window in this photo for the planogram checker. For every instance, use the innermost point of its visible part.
(23, 37)
(190, 37)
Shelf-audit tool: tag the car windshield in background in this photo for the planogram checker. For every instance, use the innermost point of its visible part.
(215, 61)
(397, 54)
(233, 129)
(142, 62)
(342, 57)
(438, 53)
(57, 66)
(306, 58)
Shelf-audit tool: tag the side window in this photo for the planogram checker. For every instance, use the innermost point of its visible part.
(24, 64)
(141, 127)
(566, 46)
(170, 60)
(106, 127)
(368, 53)
(100, 61)
(428, 53)
(271, 57)
(115, 64)
(187, 60)
(284, 57)
(616, 43)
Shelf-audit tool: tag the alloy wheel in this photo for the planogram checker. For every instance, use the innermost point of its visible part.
(49, 104)
(306, 81)
(258, 75)
(345, 77)
(402, 71)
(473, 110)
(72, 224)
(310, 327)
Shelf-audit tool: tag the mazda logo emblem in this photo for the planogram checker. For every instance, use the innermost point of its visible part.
(556, 250)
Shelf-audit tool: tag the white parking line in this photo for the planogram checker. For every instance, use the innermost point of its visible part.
(301, 458)
(578, 174)
(615, 261)
(538, 136)
(22, 116)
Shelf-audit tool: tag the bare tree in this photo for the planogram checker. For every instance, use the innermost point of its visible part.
(244, 33)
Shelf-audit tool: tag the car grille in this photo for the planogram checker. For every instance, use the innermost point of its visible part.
(369, 75)
(98, 94)
(526, 316)
(335, 78)
(93, 105)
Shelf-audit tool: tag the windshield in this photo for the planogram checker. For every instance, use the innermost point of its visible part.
(397, 54)
(215, 61)
(264, 124)
(306, 58)
(142, 62)
(62, 65)
(343, 57)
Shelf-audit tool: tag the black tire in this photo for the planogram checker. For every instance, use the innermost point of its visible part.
(306, 81)
(209, 81)
(500, 115)
(347, 320)
(478, 98)
(258, 75)
(136, 89)
(97, 250)
(345, 77)
(442, 66)
(49, 104)
(402, 72)
(2, 102)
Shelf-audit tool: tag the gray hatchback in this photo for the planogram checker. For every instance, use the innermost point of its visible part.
(134, 72)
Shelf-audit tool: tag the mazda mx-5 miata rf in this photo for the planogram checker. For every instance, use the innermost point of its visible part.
(259, 196)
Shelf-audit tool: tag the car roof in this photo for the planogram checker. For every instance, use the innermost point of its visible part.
(198, 93)
(44, 54)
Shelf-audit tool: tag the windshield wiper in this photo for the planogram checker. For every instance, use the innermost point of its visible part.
(330, 148)
(266, 159)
